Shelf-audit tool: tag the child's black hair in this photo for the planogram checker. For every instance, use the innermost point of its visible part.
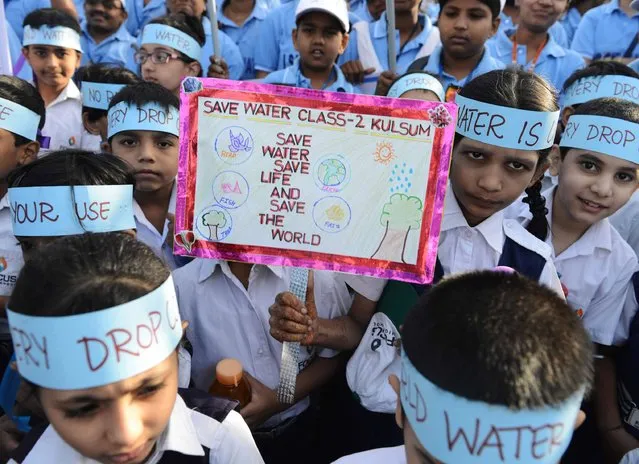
(51, 17)
(146, 92)
(190, 25)
(24, 94)
(73, 167)
(106, 74)
(600, 68)
(515, 88)
(85, 273)
(494, 5)
(501, 339)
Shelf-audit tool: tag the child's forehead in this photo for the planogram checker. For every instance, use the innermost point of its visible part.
(146, 133)
(467, 4)
(610, 161)
(51, 48)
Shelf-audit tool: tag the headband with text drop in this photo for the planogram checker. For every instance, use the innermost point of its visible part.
(149, 117)
(416, 81)
(590, 88)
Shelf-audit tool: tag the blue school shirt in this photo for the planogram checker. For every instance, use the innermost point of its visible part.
(606, 32)
(570, 22)
(244, 36)
(635, 65)
(363, 13)
(274, 49)
(115, 49)
(17, 10)
(557, 31)
(434, 67)
(293, 76)
(379, 38)
(555, 63)
(20, 65)
(230, 52)
(140, 14)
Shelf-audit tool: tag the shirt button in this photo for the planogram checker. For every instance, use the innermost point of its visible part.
(468, 233)
(260, 351)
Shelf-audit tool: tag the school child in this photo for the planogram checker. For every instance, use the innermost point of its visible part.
(531, 46)
(150, 146)
(608, 31)
(104, 37)
(572, 17)
(123, 405)
(98, 84)
(319, 37)
(51, 45)
(171, 48)
(228, 66)
(510, 18)
(460, 404)
(240, 20)
(464, 27)
(416, 37)
(417, 85)
(370, 10)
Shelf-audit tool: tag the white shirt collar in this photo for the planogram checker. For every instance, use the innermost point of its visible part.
(71, 91)
(139, 215)
(4, 201)
(208, 266)
(491, 228)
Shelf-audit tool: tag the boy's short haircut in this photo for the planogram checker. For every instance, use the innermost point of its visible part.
(146, 92)
(501, 339)
(600, 68)
(494, 5)
(24, 94)
(51, 17)
(105, 74)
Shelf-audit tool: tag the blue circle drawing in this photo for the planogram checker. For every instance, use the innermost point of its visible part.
(331, 214)
(234, 145)
(214, 223)
(230, 189)
(332, 173)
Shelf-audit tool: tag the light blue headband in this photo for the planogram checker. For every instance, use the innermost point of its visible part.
(94, 349)
(611, 136)
(58, 36)
(589, 88)
(65, 210)
(18, 119)
(98, 95)
(504, 126)
(173, 38)
(415, 81)
(456, 430)
(150, 117)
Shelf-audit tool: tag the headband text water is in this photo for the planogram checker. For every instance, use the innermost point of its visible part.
(173, 38)
(64, 210)
(150, 117)
(58, 36)
(97, 95)
(505, 127)
(94, 349)
(611, 136)
(592, 87)
(18, 119)
(416, 81)
(457, 430)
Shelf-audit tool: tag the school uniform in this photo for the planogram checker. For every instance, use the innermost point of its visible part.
(395, 455)
(626, 221)
(570, 23)
(607, 32)
(190, 437)
(293, 76)
(11, 260)
(20, 65)
(557, 31)
(371, 47)
(244, 36)
(436, 68)
(229, 50)
(64, 123)
(140, 14)
(274, 48)
(113, 50)
(363, 13)
(555, 63)
(17, 10)
(595, 271)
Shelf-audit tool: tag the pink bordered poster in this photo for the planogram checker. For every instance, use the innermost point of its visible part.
(293, 177)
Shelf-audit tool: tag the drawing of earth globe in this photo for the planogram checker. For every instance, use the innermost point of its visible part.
(331, 172)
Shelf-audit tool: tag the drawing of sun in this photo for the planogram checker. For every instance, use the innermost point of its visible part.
(335, 213)
(384, 152)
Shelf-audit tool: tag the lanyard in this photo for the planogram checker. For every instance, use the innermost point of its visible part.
(533, 63)
(412, 33)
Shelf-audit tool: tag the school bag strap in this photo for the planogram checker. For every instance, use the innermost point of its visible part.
(632, 46)
(419, 64)
(213, 406)
(522, 259)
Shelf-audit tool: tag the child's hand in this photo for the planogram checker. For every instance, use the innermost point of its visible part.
(384, 82)
(354, 71)
(218, 68)
(263, 405)
(292, 320)
(10, 438)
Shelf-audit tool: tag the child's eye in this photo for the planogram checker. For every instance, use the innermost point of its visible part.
(84, 411)
(149, 390)
(475, 155)
(477, 16)
(60, 53)
(165, 144)
(588, 166)
(514, 165)
(625, 177)
(41, 53)
(127, 142)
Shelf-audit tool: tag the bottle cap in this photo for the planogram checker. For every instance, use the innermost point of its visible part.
(229, 372)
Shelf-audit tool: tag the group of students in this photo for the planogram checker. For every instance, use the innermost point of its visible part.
(115, 340)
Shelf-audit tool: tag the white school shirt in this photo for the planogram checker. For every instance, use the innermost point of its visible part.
(395, 455)
(595, 270)
(64, 123)
(228, 321)
(626, 221)
(188, 431)
(463, 248)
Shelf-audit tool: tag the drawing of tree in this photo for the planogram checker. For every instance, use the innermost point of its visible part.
(214, 220)
(399, 216)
